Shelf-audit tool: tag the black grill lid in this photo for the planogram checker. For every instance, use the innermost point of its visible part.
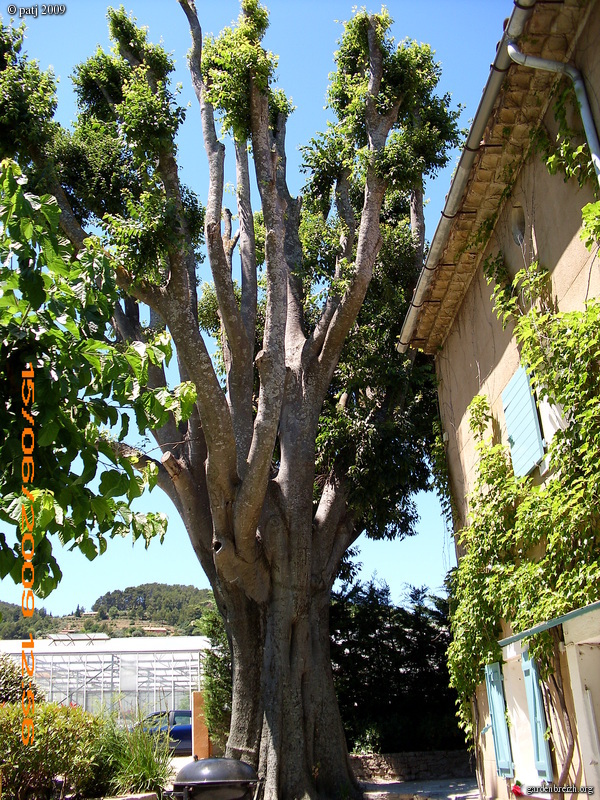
(215, 770)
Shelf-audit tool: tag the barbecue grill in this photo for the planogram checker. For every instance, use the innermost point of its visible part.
(215, 779)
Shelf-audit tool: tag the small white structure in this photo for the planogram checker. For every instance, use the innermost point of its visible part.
(129, 675)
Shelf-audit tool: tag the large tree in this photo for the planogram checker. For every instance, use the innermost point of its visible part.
(312, 428)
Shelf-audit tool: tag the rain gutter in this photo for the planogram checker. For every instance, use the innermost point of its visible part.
(454, 198)
(584, 106)
(545, 626)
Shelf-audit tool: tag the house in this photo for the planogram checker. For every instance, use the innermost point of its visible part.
(536, 723)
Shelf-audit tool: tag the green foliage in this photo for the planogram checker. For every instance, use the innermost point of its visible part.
(425, 126)
(590, 233)
(128, 118)
(55, 312)
(13, 625)
(62, 745)
(390, 673)
(560, 151)
(174, 605)
(11, 682)
(440, 478)
(133, 759)
(92, 755)
(217, 686)
(532, 551)
(157, 604)
(377, 420)
(234, 59)
(27, 97)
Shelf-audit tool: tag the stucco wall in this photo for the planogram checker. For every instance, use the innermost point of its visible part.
(478, 356)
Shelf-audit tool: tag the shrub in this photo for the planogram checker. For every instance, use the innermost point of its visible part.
(11, 688)
(63, 740)
(139, 761)
(93, 755)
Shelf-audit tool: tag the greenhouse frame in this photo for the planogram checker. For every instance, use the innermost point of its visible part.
(132, 676)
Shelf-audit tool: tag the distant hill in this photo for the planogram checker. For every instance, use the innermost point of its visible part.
(14, 626)
(149, 609)
(168, 605)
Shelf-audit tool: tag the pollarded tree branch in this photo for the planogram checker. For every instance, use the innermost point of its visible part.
(216, 156)
(211, 404)
(182, 257)
(247, 240)
(369, 237)
(271, 359)
(295, 336)
(344, 316)
(236, 326)
(140, 461)
(188, 495)
(346, 214)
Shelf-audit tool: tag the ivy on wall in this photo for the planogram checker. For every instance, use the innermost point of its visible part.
(532, 550)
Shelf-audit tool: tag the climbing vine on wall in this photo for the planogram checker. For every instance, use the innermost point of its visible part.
(532, 550)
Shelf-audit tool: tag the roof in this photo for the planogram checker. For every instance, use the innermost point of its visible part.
(75, 644)
(513, 104)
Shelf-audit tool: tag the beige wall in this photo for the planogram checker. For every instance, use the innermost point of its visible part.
(478, 356)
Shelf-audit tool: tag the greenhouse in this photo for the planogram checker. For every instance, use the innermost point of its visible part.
(127, 675)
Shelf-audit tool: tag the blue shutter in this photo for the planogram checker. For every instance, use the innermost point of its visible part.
(537, 718)
(502, 751)
(522, 425)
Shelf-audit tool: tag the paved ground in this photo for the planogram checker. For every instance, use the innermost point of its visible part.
(455, 789)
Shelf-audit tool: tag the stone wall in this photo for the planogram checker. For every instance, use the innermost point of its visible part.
(432, 765)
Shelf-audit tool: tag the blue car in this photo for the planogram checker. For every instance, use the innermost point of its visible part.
(177, 725)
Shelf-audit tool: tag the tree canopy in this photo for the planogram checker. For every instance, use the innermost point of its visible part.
(314, 428)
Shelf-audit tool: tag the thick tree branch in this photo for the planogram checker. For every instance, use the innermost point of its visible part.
(347, 239)
(295, 337)
(216, 156)
(187, 494)
(271, 359)
(247, 241)
(417, 225)
(140, 461)
(369, 239)
(334, 528)
(241, 346)
(344, 316)
(212, 407)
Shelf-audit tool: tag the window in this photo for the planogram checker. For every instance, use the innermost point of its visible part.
(495, 693)
(537, 718)
(522, 424)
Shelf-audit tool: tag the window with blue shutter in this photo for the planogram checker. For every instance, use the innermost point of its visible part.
(522, 424)
(495, 693)
(537, 718)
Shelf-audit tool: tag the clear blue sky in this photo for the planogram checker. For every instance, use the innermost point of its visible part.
(463, 33)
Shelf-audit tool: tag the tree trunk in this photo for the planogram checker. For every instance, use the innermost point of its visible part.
(285, 718)
(284, 674)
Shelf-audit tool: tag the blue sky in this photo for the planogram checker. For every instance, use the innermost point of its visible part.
(463, 33)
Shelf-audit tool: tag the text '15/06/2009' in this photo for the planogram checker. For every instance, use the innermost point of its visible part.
(27, 548)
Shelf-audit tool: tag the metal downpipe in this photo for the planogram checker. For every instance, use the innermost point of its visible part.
(534, 62)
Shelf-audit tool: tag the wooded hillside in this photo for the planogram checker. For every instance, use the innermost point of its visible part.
(127, 612)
